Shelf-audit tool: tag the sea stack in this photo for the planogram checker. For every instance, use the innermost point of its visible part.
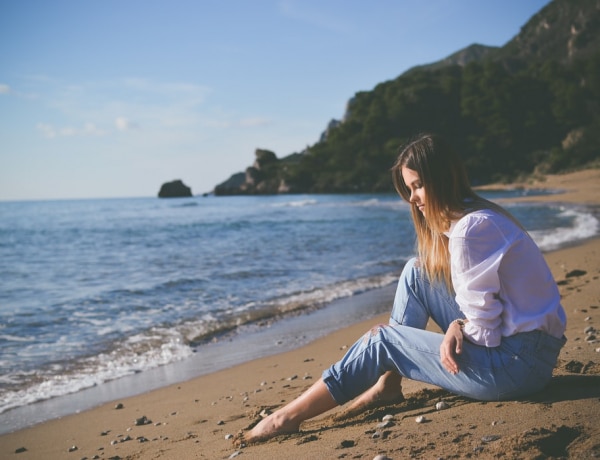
(174, 189)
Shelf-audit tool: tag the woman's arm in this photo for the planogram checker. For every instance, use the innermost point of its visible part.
(477, 247)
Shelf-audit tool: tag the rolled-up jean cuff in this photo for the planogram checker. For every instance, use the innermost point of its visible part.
(334, 387)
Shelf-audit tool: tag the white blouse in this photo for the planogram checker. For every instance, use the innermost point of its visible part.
(502, 282)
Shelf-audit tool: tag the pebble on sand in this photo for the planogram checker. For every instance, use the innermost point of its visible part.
(143, 420)
(442, 405)
(490, 438)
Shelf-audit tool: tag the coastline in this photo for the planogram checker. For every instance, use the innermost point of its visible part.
(192, 418)
(580, 187)
(258, 341)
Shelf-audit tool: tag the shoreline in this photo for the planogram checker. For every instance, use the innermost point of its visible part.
(187, 416)
(581, 187)
(280, 336)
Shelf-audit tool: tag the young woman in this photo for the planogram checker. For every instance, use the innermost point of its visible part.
(478, 275)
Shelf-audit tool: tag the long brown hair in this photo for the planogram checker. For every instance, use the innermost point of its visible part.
(448, 196)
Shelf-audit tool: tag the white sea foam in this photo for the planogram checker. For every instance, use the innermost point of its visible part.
(584, 225)
(316, 297)
(138, 353)
(15, 338)
(295, 203)
(395, 203)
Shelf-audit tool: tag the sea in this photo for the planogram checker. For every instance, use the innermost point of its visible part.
(103, 298)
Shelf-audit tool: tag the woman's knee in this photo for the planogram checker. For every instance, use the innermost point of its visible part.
(410, 268)
(407, 279)
(411, 276)
(409, 308)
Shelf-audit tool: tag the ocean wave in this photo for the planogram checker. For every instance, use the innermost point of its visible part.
(136, 354)
(16, 338)
(583, 225)
(207, 329)
(385, 201)
(190, 204)
(159, 346)
(295, 203)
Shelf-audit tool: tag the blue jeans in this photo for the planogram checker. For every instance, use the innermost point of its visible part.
(522, 364)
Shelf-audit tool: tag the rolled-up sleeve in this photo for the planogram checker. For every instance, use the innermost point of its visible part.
(477, 247)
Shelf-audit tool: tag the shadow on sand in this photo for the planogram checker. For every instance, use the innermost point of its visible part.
(568, 388)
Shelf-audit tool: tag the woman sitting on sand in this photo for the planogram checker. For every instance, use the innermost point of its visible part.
(478, 275)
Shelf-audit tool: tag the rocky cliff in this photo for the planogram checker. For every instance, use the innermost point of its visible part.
(528, 106)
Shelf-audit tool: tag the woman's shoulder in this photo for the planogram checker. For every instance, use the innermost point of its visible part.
(479, 221)
(472, 216)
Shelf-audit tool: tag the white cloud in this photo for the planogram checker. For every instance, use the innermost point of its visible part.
(123, 124)
(4, 89)
(148, 103)
(90, 129)
(51, 132)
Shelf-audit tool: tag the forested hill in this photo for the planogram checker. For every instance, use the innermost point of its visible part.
(532, 105)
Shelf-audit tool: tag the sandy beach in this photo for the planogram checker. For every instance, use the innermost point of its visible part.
(196, 418)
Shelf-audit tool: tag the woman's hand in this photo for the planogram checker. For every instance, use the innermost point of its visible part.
(451, 346)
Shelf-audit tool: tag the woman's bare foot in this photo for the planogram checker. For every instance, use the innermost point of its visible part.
(273, 425)
(311, 403)
(387, 390)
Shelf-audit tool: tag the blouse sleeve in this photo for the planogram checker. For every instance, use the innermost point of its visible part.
(477, 247)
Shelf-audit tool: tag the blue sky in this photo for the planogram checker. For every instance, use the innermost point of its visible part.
(113, 98)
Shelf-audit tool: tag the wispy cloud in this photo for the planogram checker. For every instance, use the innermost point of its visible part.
(119, 105)
(90, 129)
(169, 112)
(4, 89)
(51, 132)
(123, 124)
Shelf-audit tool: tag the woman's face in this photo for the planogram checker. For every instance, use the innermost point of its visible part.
(417, 191)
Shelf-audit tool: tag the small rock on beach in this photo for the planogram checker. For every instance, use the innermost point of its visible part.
(442, 405)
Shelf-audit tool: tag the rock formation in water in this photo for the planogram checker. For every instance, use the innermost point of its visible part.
(174, 189)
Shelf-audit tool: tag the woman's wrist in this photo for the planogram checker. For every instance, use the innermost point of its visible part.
(460, 322)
